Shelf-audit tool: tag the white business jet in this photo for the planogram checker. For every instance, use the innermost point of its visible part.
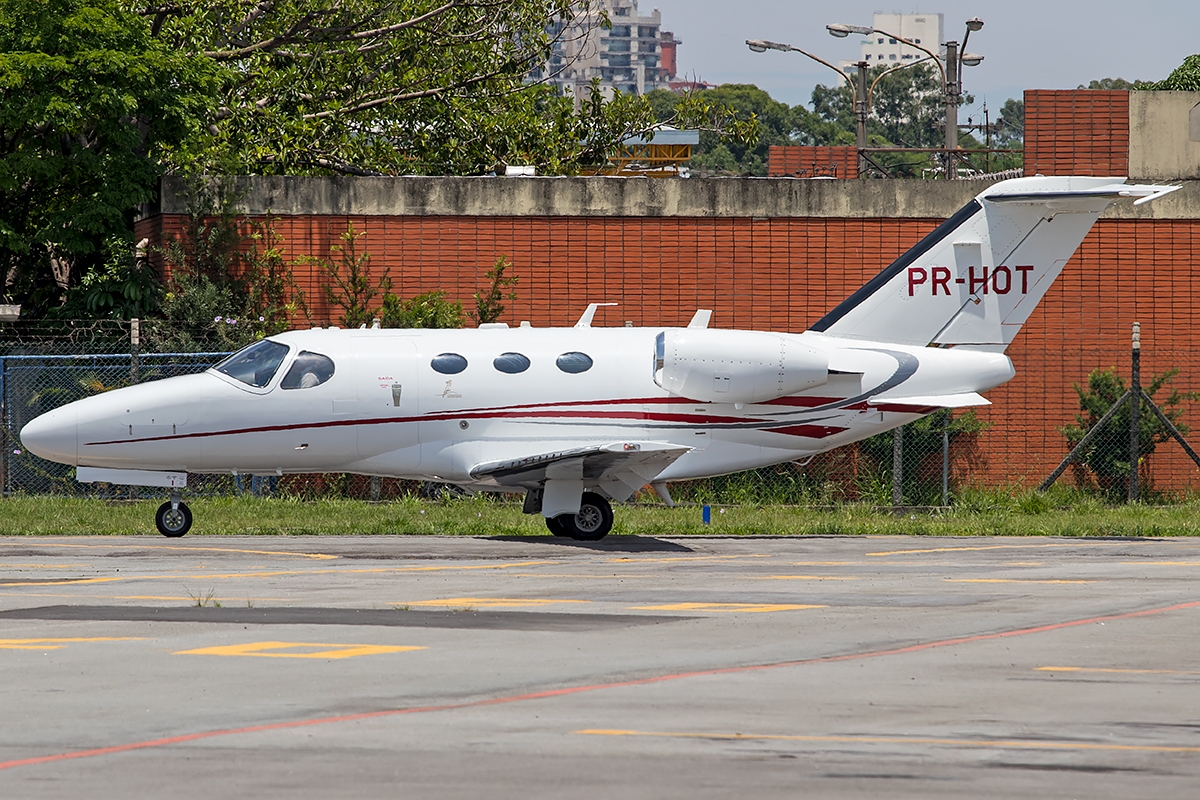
(577, 417)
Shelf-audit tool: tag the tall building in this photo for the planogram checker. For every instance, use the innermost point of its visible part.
(628, 56)
(923, 29)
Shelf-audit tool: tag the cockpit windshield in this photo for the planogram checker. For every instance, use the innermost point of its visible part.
(255, 365)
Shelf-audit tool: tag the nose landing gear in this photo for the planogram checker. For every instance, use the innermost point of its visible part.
(174, 518)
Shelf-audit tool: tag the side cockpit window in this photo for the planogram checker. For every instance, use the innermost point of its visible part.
(255, 365)
(308, 370)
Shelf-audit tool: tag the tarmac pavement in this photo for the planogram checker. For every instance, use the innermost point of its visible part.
(448, 667)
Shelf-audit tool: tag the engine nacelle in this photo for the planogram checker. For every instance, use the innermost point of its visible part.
(735, 366)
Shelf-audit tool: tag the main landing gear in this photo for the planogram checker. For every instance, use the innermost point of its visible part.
(174, 518)
(592, 523)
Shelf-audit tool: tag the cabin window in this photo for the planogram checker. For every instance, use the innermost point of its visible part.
(448, 363)
(308, 370)
(574, 362)
(255, 365)
(512, 363)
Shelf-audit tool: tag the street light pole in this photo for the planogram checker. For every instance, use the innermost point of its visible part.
(951, 95)
(951, 72)
(859, 88)
(861, 110)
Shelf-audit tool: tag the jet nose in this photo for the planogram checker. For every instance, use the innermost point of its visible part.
(53, 436)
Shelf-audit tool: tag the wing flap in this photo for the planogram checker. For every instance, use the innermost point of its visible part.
(617, 468)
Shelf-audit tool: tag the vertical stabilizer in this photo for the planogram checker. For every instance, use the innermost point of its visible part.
(979, 275)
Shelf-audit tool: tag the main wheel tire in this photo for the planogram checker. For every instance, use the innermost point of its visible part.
(556, 526)
(594, 520)
(173, 522)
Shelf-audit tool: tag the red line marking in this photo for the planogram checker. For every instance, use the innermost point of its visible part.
(569, 690)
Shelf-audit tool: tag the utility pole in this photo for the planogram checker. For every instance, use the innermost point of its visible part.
(951, 96)
(861, 112)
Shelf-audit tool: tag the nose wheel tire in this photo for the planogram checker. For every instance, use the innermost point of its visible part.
(173, 522)
(591, 524)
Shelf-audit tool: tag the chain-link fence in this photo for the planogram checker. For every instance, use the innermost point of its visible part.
(932, 462)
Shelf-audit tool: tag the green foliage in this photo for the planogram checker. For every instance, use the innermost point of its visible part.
(227, 288)
(351, 285)
(272, 297)
(122, 286)
(1185, 77)
(89, 103)
(489, 305)
(1107, 456)
(428, 310)
(1113, 84)
(921, 439)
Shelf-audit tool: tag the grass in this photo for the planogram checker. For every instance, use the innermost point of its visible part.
(1060, 513)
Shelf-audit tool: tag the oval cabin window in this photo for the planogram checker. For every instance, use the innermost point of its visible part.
(512, 363)
(574, 362)
(448, 363)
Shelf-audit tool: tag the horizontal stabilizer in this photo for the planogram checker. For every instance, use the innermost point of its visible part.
(961, 400)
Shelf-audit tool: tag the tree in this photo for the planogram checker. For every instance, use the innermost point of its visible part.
(89, 103)
(1108, 455)
(1010, 127)
(489, 304)
(393, 87)
(1112, 84)
(773, 123)
(1185, 77)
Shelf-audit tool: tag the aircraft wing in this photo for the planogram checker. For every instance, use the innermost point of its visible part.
(618, 468)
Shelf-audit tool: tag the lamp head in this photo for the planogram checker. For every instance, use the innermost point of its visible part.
(974, 24)
(971, 59)
(762, 45)
(842, 31)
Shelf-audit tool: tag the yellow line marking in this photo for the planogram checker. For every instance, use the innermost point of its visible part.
(57, 644)
(62, 582)
(752, 608)
(265, 650)
(492, 602)
(281, 573)
(672, 559)
(823, 563)
(915, 740)
(1008, 580)
(621, 576)
(805, 578)
(1088, 542)
(1120, 671)
(197, 548)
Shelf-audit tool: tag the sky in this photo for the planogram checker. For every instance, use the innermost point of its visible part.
(1026, 44)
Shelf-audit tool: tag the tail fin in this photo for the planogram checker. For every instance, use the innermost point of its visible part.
(978, 277)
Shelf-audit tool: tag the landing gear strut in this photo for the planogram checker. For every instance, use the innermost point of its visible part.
(592, 523)
(174, 518)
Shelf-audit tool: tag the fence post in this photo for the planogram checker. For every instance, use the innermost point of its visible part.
(946, 462)
(135, 341)
(1135, 408)
(898, 466)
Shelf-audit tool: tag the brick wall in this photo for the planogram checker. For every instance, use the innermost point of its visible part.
(1076, 132)
(784, 274)
(788, 161)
